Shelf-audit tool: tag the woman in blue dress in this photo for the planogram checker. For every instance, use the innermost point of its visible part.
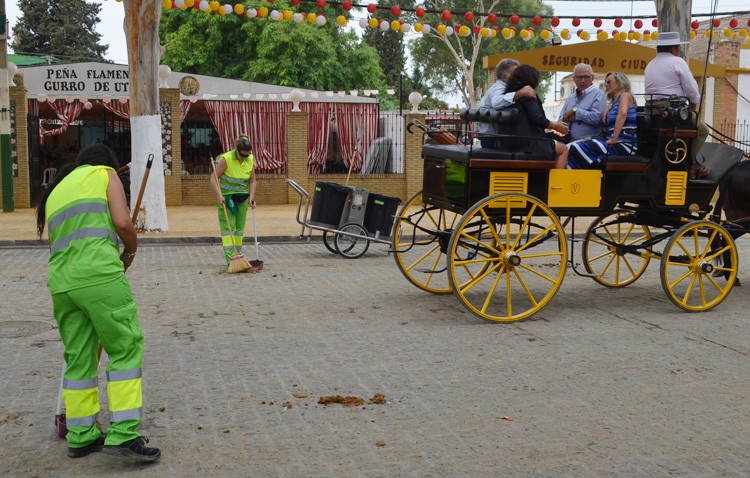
(619, 119)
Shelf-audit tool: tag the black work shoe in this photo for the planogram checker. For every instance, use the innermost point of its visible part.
(135, 449)
(92, 447)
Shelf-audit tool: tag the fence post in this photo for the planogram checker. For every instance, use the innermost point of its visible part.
(296, 147)
(413, 167)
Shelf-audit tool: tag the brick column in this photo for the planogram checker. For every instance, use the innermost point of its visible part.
(173, 177)
(413, 164)
(20, 144)
(296, 152)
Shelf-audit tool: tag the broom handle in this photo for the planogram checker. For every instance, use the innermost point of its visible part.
(224, 206)
(255, 233)
(143, 187)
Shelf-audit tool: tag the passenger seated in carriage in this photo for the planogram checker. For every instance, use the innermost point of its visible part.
(532, 120)
(620, 124)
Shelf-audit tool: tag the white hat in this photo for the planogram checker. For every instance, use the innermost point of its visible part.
(670, 39)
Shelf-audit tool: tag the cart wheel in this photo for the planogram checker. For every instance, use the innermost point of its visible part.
(349, 246)
(419, 241)
(522, 242)
(328, 240)
(605, 249)
(688, 262)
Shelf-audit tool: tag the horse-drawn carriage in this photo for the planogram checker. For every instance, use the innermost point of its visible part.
(486, 224)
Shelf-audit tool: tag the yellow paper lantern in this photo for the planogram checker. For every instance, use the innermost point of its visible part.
(743, 33)
(239, 9)
(565, 34)
(601, 36)
(546, 34)
(190, 3)
(623, 36)
(214, 5)
(654, 35)
(311, 17)
(395, 25)
(263, 12)
(727, 32)
(485, 32)
(463, 31)
(493, 34)
(373, 22)
(585, 36)
(524, 34)
(418, 27)
(692, 34)
(441, 29)
(507, 33)
(341, 20)
(166, 4)
(221, 11)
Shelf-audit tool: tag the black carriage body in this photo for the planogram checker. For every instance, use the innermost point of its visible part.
(456, 177)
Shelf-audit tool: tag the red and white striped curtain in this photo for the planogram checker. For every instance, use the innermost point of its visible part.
(184, 108)
(120, 109)
(263, 122)
(358, 127)
(66, 112)
(318, 129)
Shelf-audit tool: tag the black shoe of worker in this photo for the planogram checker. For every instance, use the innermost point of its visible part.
(92, 447)
(135, 449)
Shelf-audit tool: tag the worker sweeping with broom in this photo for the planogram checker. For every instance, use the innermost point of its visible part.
(85, 211)
(234, 183)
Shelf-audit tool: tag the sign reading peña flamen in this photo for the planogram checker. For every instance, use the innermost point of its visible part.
(85, 78)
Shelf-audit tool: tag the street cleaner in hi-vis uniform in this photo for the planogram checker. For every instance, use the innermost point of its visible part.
(235, 189)
(86, 211)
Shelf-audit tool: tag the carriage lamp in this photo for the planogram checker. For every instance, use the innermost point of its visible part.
(678, 109)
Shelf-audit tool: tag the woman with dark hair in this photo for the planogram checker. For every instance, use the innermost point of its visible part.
(85, 211)
(533, 121)
(234, 185)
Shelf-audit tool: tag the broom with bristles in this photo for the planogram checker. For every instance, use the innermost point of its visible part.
(237, 263)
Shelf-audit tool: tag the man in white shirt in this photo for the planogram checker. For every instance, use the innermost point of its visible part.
(583, 109)
(496, 98)
(668, 74)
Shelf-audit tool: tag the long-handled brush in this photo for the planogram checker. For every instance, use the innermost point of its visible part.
(257, 263)
(61, 425)
(237, 263)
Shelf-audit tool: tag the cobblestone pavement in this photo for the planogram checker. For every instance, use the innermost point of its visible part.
(601, 382)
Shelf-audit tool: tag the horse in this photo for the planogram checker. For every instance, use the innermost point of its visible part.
(732, 173)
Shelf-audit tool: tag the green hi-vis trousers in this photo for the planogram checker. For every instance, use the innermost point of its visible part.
(231, 236)
(108, 314)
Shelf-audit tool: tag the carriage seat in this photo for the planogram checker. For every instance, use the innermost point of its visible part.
(486, 157)
(489, 115)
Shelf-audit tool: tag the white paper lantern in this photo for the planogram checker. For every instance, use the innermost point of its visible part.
(228, 9)
(87, 105)
(363, 23)
(203, 5)
(251, 13)
(406, 27)
(426, 29)
(297, 17)
(320, 21)
(275, 15)
(179, 3)
(448, 31)
(384, 26)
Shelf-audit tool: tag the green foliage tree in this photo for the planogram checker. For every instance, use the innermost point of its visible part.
(281, 53)
(65, 29)
(450, 63)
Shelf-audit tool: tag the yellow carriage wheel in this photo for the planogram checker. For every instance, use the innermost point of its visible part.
(691, 255)
(609, 249)
(419, 241)
(507, 257)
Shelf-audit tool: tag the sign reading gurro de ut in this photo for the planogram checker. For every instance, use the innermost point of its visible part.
(90, 79)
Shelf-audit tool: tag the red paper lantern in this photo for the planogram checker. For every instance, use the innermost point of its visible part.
(655, 23)
(446, 15)
(271, 1)
(320, 3)
(420, 12)
(576, 21)
(469, 17)
(717, 23)
(695, 24)
(514, 19)
(618, 22)
(537, 20)
(598, 22)
(733, 23)
(347, 5)
(372, 8)
(492, 18)
(555, 21)
(748, 23)
(477, 29)
(293, 2)
(395, 10)
(638, 24)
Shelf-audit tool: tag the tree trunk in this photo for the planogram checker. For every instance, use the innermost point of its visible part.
(674, 16)
(144, 52)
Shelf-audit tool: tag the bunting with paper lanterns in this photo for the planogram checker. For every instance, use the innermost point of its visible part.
(460, 23)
